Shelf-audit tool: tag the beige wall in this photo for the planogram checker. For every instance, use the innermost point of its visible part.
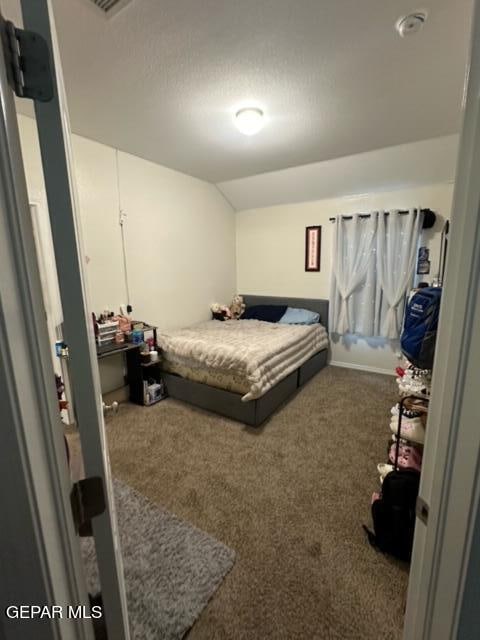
(179, 231)
(271, 253)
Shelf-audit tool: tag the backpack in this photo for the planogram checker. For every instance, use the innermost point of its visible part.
(420, 327)
(394, 514)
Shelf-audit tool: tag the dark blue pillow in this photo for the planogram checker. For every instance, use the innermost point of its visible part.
(265, 312)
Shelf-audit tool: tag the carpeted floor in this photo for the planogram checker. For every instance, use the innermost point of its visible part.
(289, 498)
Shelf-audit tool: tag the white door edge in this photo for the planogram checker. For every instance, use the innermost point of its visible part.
(451, 458)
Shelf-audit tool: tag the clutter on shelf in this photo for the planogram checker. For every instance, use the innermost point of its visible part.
(118, 329)
(114, 333)
(62, 401)
(153, 391)
(393, 505)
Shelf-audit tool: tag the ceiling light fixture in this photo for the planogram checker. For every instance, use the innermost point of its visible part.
(411, 24)
(249, 121)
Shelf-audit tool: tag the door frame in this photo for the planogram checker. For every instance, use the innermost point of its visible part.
(440, 592)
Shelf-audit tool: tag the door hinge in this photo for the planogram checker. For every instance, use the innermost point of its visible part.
(422, 509)
(88, 500)
(28, 63)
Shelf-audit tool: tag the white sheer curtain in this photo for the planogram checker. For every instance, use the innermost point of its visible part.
(373, 263)
(353, 281)
(397, 243)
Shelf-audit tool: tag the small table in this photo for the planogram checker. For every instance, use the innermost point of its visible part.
(135, 367)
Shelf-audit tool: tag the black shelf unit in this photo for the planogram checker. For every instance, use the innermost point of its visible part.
(137, 371)
(154, 363)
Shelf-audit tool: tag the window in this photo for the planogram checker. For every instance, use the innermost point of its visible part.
(373, 265)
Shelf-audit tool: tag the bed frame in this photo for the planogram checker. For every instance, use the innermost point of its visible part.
(254, 412)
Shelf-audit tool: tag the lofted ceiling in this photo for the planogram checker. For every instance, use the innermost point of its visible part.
(162, 79)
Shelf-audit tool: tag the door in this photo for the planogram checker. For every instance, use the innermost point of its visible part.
(53, 130)
(443, 592)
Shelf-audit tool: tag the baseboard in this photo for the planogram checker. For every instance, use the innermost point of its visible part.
(361, 367)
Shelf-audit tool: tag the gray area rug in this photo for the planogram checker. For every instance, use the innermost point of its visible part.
(171, 568)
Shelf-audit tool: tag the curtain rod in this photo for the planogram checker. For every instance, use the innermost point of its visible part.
(367, 215)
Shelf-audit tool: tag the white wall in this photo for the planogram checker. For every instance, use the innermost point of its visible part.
(271, 254)
(180, 236)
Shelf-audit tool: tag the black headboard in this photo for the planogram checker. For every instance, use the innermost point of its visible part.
(312, 304)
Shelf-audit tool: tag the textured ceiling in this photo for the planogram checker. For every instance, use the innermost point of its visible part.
(163, 78)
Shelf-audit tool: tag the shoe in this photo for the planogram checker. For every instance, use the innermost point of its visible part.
(383, 470)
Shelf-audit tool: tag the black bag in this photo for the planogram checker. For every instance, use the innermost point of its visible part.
(394, 514)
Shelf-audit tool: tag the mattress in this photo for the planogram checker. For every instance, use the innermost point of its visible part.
(248, 357)
(220, 379)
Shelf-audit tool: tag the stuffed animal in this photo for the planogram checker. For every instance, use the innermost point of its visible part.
(237, 307)
(220, 311)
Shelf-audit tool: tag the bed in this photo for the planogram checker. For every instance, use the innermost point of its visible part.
(244, 369)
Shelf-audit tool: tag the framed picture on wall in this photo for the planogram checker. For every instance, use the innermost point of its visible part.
(423, 262)
(313, 241)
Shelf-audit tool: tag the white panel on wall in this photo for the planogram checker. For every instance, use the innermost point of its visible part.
(96, 179)
(404, 166)
(271, 254)
(180, 239)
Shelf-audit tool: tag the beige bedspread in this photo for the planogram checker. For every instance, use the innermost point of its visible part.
(246, 356)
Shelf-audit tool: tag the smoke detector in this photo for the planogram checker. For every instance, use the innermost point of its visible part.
(411, 24)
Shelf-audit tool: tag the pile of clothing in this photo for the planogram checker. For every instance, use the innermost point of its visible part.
(412, 439)
(413, 381)
(394, 506)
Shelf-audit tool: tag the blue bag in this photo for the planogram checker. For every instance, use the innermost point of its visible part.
(420, 327)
